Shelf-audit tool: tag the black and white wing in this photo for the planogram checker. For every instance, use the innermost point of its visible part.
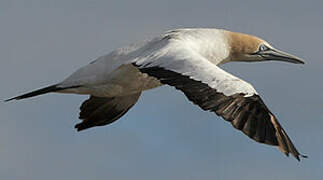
(215, 90)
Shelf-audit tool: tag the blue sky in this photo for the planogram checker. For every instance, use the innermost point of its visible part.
(164, 136)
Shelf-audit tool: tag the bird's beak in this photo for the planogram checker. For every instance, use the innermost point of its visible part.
(277, 55)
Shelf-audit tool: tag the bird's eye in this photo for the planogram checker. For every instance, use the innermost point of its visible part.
(263, 47)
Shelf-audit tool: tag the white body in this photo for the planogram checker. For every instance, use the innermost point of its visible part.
(192, 52)
(188, 60)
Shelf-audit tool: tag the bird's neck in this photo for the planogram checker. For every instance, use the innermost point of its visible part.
(210, 43)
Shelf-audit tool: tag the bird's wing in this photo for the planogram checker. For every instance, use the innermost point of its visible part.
(213, 89)
(100, 111)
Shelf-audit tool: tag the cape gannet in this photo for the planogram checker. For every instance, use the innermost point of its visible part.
(187, 59)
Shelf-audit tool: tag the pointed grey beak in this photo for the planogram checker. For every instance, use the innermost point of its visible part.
(277, 55)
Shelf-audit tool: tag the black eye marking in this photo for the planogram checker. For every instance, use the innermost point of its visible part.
(263, 47)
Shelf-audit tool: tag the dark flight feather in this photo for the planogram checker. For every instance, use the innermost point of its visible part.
(248, 114)
(100, 111)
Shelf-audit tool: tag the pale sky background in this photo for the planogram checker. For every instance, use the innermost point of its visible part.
(164, 136)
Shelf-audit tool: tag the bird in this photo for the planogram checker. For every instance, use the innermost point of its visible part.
(188, 59)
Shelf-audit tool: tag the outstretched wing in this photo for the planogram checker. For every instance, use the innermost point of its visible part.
(213, 89)
(101, 111)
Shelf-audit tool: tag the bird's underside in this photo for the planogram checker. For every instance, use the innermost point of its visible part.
(247, 114)
(115, 82)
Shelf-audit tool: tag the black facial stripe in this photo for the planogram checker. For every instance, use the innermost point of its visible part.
(261, 51)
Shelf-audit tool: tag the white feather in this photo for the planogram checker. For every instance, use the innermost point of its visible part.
(191, 52)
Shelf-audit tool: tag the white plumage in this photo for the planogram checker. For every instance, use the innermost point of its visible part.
(187, 59)
(192, 52)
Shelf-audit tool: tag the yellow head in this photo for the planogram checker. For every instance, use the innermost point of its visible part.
(244, 47)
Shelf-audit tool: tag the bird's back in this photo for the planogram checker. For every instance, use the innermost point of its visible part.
(207, 42)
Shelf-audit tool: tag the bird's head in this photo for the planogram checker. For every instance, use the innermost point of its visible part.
(248, 48)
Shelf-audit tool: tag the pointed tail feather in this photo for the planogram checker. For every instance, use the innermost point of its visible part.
(48, 89)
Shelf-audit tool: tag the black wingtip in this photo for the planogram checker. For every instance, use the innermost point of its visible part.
(81, 126)
(299, 156)
(302, 156)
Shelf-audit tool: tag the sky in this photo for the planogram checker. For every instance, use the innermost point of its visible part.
(163, 136)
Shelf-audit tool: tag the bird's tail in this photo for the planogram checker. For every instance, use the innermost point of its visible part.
(48, 89)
